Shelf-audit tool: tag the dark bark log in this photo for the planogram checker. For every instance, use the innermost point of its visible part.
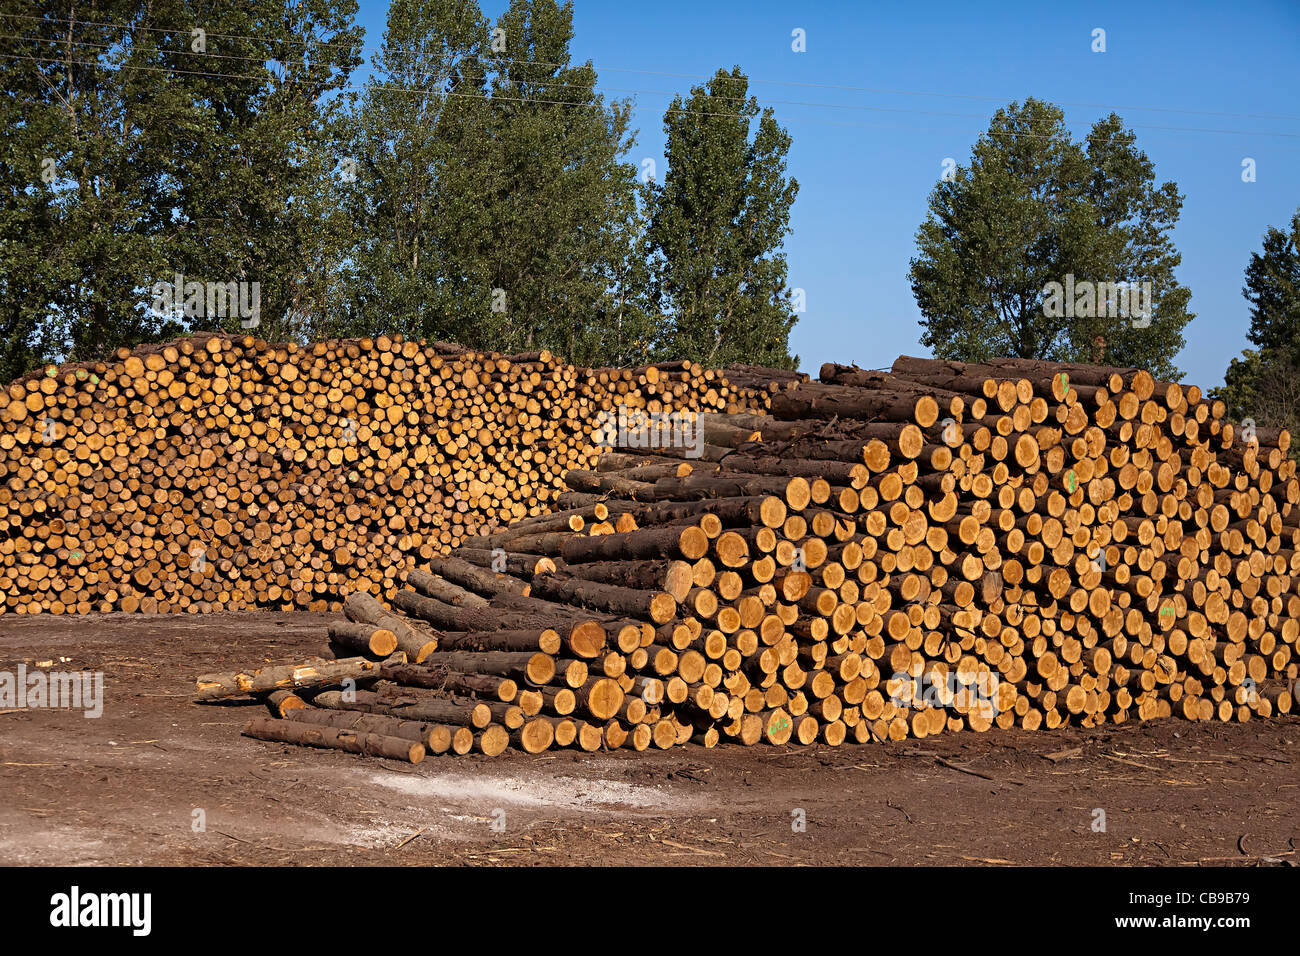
(470, 576)
(365, 638)
(527, 639)
(431, 585)
(895, 404)
(589, 481)
(476, 619)
(688, 543)
(514, 563)
(363, 608)
(334, 738)
(440, 677)
(282, 702)
(671, 576)
(657, 606)
(435, 737)
(725, 486)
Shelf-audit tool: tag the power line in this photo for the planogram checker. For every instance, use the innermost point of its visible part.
(183, 31)
(264, 59)
(583, 86)
(115, 46)
(635, 107)
(673, 93)
(715, 77)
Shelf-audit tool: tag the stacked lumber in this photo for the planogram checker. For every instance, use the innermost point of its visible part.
(225, 473)
(943, 547)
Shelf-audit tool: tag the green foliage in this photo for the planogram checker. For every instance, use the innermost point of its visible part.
(130, 156)
(477, 189)
(1273, 290)
(87, 184)
(1263, 386)
(427, 85)
(1032, 207)
(718, 221)
(496, 208)
(259, 181)
(1264, 383)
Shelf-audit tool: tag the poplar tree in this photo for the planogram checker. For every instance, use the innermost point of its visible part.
(717, 224)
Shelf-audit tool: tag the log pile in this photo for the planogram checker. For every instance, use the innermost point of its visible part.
(227, 473)
(944, 547)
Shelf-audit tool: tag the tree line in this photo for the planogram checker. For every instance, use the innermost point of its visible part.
(475, 188)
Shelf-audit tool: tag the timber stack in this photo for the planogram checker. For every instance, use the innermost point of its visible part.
(943, 547)
(221, 472)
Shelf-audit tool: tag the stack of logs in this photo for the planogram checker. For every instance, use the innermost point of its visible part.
(945, 547)
(225, 473)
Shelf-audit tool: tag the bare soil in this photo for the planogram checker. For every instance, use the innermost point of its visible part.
(133, 786)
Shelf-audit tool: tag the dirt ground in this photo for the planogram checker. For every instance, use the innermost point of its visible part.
(133, 786)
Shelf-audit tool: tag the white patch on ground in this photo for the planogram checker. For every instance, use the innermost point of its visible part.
(540, 791)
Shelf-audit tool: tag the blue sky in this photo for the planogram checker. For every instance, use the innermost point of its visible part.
(867, 159)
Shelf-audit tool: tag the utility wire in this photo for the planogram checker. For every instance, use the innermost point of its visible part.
(488, 97)
(581, 86)
(634, 90)
(612, 69)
